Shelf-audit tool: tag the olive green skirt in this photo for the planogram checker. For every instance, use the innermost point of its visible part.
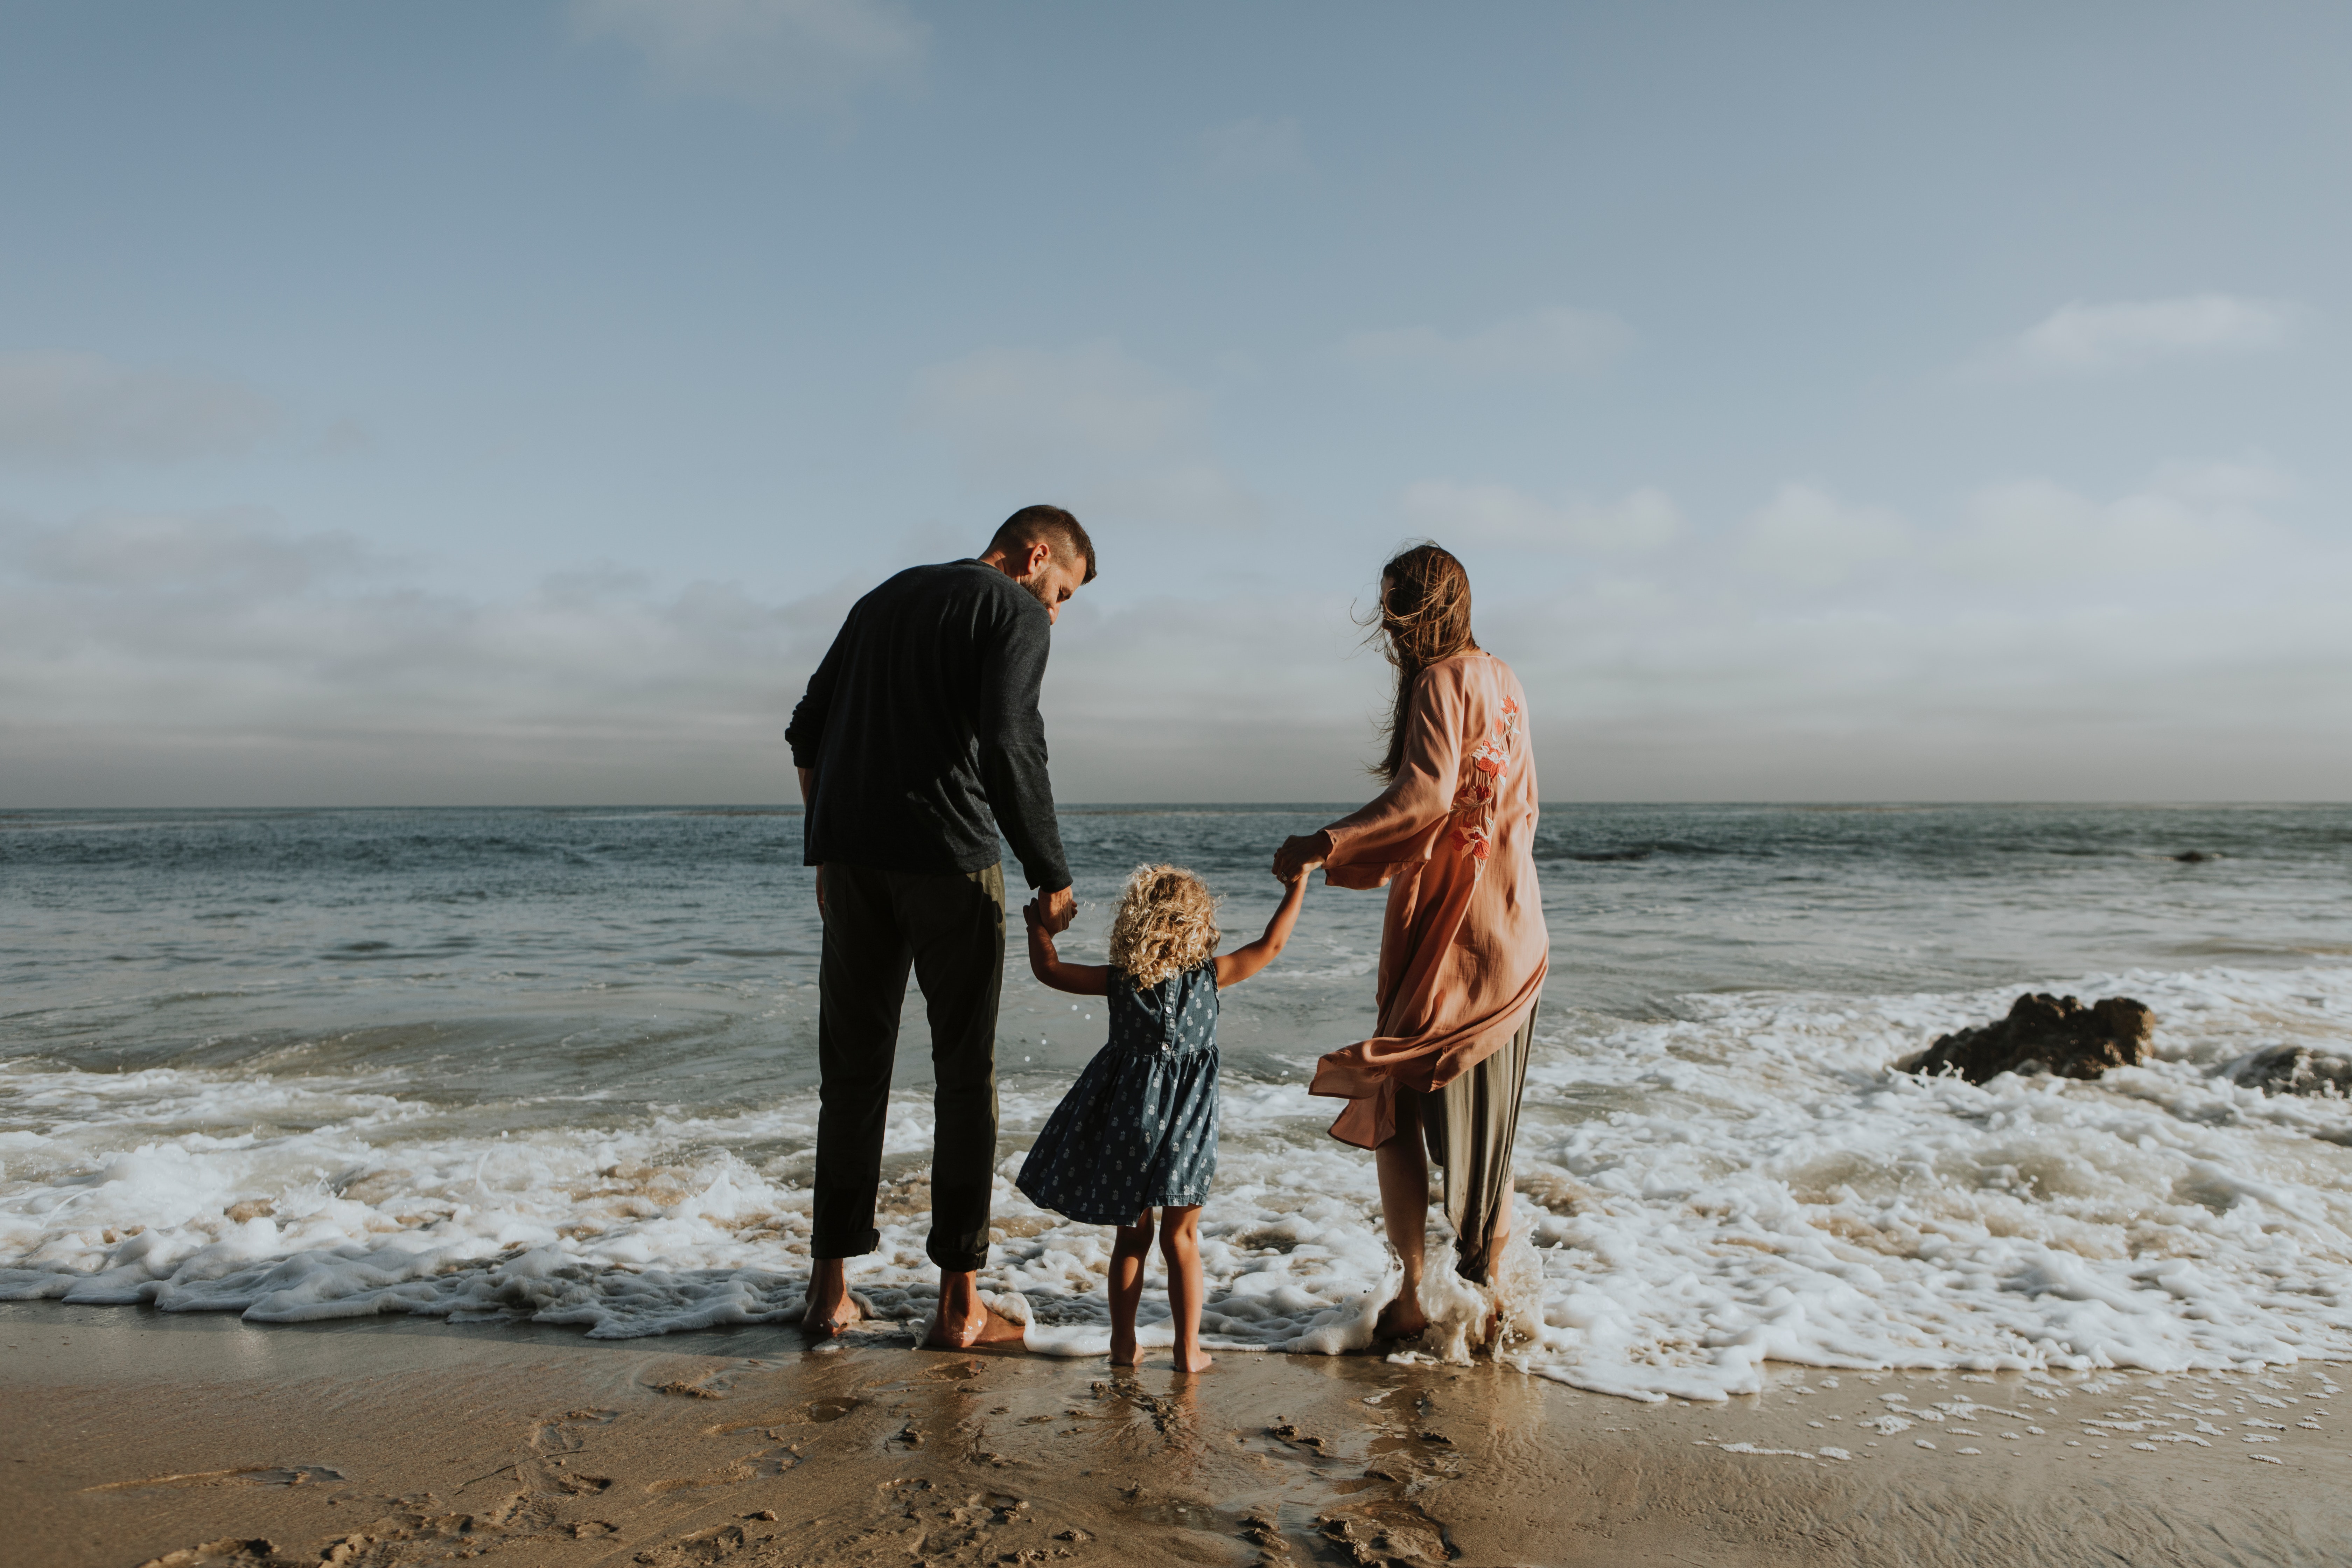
(1469, 1127)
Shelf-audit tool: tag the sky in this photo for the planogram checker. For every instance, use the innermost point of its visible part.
(446, 403)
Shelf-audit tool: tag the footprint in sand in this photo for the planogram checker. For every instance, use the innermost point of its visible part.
(228, 1553)
(824, 1410)
(952, 1372)
(242, 1476)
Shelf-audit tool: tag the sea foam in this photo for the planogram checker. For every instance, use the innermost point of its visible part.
(1747, 1182)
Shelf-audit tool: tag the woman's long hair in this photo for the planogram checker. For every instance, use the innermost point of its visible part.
(1166, 924)
(1424, 616)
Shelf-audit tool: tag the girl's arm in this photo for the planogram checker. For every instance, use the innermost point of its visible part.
(1241, 963)
(1078, 979)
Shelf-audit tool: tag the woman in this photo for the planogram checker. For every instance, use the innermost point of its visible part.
(1462, 949)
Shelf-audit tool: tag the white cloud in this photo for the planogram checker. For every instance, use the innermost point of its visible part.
(239, 550)
(2190, 516)
(1805, 535)
(1249, 694)
(810, 53)
(1253, 149)
(1500, 515)
(1090, 425)
(1688, 696)
(80, 409)
(1547, 341)
(229, 658)
(2079, 339)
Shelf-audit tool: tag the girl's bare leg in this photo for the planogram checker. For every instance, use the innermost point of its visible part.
(1127, 1254)
(1180, 1243)
(1403, 1165)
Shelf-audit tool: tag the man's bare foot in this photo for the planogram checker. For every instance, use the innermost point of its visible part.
(1402, 1319)
(1196, 1361)
(989, 1327)
(1124, 1350)
(964, 1322)
(831, 1308)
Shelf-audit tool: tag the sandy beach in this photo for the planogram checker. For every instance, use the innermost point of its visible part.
(138, 1438)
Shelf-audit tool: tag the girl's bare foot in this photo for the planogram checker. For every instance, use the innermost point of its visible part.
(1193, 1361)
(1123, 1349)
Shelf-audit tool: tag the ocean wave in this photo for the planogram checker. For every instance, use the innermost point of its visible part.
(1748, 1181)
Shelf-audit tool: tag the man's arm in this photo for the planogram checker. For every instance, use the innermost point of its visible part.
(1012, 737)
(806, 735)
(808, 799)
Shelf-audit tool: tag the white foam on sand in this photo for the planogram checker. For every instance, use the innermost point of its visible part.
(1751, 1183)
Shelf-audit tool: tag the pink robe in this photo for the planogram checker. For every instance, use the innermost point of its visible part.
(1464, 950)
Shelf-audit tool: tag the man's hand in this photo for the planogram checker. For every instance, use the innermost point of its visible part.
(1055, 910)
(1301, 855)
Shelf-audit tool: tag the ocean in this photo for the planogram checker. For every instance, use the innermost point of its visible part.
(560, 1065)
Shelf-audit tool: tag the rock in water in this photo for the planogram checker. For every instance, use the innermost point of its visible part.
(2296, 1069)
(2045, 1033)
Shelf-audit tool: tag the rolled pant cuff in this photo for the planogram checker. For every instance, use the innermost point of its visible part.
(957, 1260)
(826, 1248)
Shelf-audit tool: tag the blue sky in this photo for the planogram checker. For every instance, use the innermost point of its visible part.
(446, 403)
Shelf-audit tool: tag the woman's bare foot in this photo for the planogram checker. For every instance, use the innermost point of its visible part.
(1402, 1319)
(1196, 1360)
(1124, 1352)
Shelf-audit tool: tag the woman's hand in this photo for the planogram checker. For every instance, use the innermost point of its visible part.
(1301, 855)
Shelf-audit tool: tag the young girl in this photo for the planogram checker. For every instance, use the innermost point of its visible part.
(1139, 1129)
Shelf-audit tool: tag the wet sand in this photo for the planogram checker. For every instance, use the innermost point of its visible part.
(135, 1437)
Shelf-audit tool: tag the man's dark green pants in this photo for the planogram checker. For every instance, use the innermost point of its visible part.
(948, 928)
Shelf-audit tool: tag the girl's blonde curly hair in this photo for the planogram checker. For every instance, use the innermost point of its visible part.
(1166, 924)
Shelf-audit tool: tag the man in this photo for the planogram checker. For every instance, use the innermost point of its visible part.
(919, 737)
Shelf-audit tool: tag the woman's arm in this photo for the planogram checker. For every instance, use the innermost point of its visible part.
(1078, 979)
(1238, 965)
(1366, 847)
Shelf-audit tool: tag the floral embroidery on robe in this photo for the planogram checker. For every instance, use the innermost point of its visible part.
(1483, 773)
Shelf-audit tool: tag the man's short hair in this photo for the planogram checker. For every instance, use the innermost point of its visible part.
(1049, 526)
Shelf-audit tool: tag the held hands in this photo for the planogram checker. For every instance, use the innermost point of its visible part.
(1048, 914)
(1300, 855)
(1040, 937)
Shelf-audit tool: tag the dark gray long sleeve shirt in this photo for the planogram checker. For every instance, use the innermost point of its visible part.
(923, 726)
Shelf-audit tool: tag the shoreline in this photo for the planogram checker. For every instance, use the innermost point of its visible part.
(187, 1439)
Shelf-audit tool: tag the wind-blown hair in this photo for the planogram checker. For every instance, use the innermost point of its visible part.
(1166, 924)
(1424, 616)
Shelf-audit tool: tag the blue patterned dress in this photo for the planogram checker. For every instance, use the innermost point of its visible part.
(1139, 1129)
